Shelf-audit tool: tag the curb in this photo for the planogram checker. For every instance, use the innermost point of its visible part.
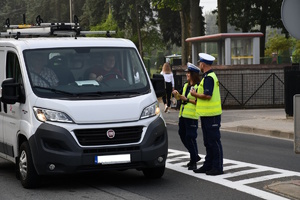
(264, 132)
(251, 130)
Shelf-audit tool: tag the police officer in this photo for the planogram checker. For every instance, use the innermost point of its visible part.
(209, 109)
(188, 119)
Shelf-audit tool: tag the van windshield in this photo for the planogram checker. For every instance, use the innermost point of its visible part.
(83, 72)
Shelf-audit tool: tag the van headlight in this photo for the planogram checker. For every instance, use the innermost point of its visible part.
(150, 111)
(51, 115)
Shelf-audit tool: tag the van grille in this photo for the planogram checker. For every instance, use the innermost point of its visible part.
(123, 135)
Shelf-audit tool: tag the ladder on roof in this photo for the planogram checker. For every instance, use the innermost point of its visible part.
(48, 29)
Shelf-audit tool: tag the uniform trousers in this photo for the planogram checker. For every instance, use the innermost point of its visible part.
(212, 142)
(188, 135)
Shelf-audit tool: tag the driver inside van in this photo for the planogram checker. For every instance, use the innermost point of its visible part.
(40, 74)
(107, 71)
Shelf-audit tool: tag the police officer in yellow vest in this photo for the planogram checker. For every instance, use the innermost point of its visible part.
(209, 109)
(188, 119)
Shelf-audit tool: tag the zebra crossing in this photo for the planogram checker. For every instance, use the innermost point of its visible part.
(237, 175)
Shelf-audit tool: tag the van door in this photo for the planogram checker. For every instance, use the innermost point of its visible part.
(2, 70)
(12, 117)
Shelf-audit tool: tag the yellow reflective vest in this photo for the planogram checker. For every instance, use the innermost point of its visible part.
(188, 110)
(209, 107)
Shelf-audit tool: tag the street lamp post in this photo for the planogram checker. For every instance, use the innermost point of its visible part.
(70, 2)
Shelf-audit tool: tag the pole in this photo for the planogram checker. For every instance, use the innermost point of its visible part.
(70, 2)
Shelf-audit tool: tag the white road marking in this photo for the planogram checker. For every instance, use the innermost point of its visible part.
(173, 162)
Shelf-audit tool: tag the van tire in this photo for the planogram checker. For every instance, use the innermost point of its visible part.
(154, 173)
(28, 175)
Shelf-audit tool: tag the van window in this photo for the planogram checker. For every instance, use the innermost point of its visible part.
(13, 71)
(13, 66)
(83, 72)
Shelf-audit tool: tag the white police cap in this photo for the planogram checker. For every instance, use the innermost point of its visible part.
(191, 67)
(206, 58)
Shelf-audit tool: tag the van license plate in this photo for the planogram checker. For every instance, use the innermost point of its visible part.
(113, 159)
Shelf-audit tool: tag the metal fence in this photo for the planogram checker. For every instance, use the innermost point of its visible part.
(248, 90)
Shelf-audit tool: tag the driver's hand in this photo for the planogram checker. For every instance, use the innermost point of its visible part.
(99, 78)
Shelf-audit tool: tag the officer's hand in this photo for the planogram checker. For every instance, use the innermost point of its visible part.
(183, 98)
(192, 91)
(176, 94)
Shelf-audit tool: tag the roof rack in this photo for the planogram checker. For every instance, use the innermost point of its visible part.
(48, 29)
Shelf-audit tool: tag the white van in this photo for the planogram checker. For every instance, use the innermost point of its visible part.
(60, 119)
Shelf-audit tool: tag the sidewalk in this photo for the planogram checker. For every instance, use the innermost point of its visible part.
(268, 122)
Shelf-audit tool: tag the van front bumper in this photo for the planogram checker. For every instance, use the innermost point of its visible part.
(54, 146)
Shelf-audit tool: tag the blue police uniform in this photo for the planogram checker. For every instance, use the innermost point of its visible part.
(188, 122)
(211, 121)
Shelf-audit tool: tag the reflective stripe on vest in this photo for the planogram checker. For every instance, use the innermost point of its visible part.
(188, 110)
(209, 107)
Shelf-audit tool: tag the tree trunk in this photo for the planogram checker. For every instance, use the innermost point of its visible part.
(222, 16)
(194, 24)
(263, 28)
(194, 16)
(138, 29)
(183, 34)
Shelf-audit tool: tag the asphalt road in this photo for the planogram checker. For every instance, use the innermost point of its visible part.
(267, 151)
(132, 185)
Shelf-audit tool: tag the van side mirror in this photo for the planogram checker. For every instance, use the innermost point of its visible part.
(10, 91)
(159, 85)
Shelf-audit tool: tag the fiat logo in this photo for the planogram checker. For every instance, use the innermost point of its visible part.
(110, 133)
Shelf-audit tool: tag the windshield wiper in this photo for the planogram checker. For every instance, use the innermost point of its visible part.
(98, 93)
(56, 91)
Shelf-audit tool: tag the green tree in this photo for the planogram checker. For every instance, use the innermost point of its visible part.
(296, 50)
(49, 10)
(277, 44)
(77, 7)
(94, 11)
(271, 10)
(168, 23)
(109, 25)
(132, 16)
(12, 9)
(242, 14)
(245, 15)
(152, 40)
(182, 7)
(191, 22)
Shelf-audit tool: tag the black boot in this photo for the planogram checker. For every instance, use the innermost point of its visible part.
(189, 163)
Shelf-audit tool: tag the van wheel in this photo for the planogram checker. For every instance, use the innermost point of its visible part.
(28, 175)
(154, 173)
